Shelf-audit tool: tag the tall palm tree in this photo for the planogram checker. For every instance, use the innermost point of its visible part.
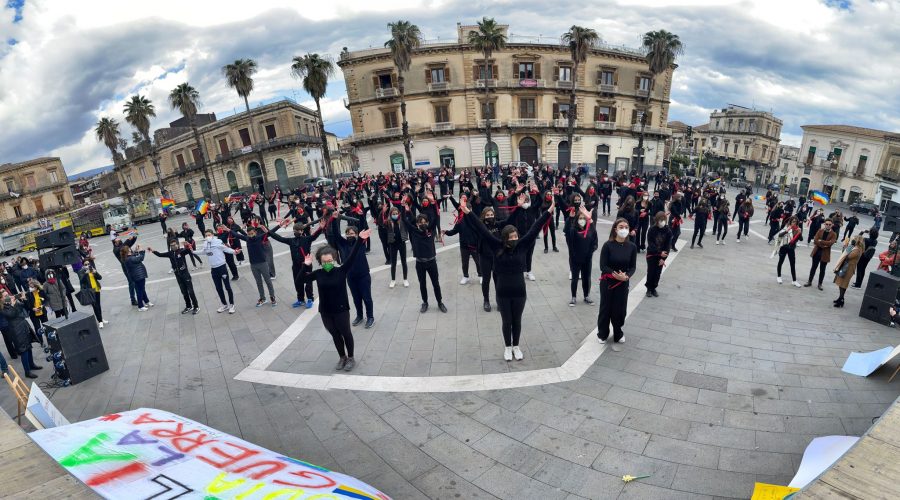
(488, 38)
(580, 41)
(107, 131)
(138, 111)
(239, 76)
(315, 70)
(186, 100)
(405, 38)
(662, 48)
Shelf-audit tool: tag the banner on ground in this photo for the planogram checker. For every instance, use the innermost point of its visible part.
(865, 363)
(148, 453)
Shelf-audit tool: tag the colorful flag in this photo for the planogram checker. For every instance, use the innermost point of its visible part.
(167, 203)
(819, 197)
(202, 207)
(716, 182)
(759, 197)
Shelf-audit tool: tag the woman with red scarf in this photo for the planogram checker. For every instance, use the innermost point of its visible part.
(618, 261)
(582, 241)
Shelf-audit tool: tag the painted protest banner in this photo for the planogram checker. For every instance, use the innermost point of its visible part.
(148, 453)
(41, 412)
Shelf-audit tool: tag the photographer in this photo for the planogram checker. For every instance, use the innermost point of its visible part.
(89, 294)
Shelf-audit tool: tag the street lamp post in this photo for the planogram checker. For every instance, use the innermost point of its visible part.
(642, 117)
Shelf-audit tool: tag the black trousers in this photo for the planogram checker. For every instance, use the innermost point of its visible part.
(431, 269)
(613, 306)
(551, 229)
(487, 271)
(8, 340)
(338, 325)
(398, 249)
(676, 233)
(699, 229)
(817, 263)
(465, 253)
(583, 270)
(186, 285)
(743, 227)
(861, 270)
(773, 229)
(220, 280)
(229, 259)
(529, 255)
(722, 231)
(654, 270)
(361, 291)
(606, 204)
(511, 309)
(382, 236)
(643, 226)
(787, 251)
(304, 290)
(98, 309)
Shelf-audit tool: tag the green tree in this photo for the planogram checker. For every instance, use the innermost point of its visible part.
(107, 132)
(186, 100)
(662, 48)
(138, 111)
(405, 38)
(315, 70)
(580, 41)
(488, 38)
(239, 76)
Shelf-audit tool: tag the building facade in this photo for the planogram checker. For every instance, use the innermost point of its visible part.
(888, 173)
(32, 190)
(529, 82)
(788, 172)
(286, 133)
(848, 163)
(746, 136)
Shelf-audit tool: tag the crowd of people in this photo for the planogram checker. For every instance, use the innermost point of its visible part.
(498, 216)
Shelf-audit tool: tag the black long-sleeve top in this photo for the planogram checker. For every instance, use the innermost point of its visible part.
(509, 264)
(658, 240)
(332, 285)
(422, 242)
(356, 266)
(255, 248)
(582, 242)
(631, 216)
(300, 245)
(176, 258)
(615, 256)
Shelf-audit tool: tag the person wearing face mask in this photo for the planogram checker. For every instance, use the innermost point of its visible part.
(215, 252)
(645, 215)
(582, 240)
(630, 214)
(606, 188)
(259, 265)
(774, 216)
(468, 244)
(723, 213)
(396, 240)
(134, 260)
(659, 242)
(14, 310)
(815, 223)
(821, 252)
(178, 262)
(744, 213)
(618, 261)
(550, 225)
(486, 253)
(523, 216)
(889, 260)
(358, 277)
(334, 308)
(300, 246)
(89, 279)
(846, 266)
(55, 291)
(187, 234)
(789, 236)
(509, 265)
(421, 235)
(36, 299)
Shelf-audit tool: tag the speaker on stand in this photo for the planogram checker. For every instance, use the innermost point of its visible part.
(880, 295)
(75, 348)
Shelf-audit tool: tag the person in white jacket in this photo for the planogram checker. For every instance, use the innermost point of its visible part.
(215, 251)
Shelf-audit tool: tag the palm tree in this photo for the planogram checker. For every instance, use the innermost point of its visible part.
(580, 41)
(315, 70)
(186, 100)
(107, 131)
(662, 48)
(138, 111)
(488, 38)
(239, 76)
(405, 38)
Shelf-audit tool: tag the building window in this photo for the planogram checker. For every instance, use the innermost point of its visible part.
(390, 119)
(735, 148)
(730, 124)
(526, 108)
(10, 185)
(765, 151)
(607, 77)
(441, 113)
(179, 158)
(54, 178)
(385, 81)
(807, 169)
(768, 126)
(270, 132)
(810, 157)
(143, 172)
(232, 180)
(223, 146)
(128, 180)
(437, 75)
(644, 84)
(29, 181)
(17, 210)
(561, 110)
(861, 164)
(39, 205)
(245, 136)
(487, 110)
(196, 154)
(717, 124)
(60, 199)
(746, 150)
(485, 72)
(603, 114)
(526, 70)
(565, 74)
(740, 125)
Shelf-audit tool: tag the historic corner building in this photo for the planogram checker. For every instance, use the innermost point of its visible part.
(32, 190)
(529, 84)
(284, 132)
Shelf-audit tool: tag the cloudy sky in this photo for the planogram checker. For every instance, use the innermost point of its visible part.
(66, 63)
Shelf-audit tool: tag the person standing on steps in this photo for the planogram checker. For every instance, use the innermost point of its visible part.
(618, 262)
(510, 262)
(334, 308)
(846, 266)
(789, 236)
(421, 235)
(821, 252)
(582, 241)
(659, 242)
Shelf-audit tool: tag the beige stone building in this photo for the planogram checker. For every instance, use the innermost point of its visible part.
(528, 105)
(32, 190)
(286, 133)
(746, 135)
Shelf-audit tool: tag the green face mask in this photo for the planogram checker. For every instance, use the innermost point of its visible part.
(328, 266)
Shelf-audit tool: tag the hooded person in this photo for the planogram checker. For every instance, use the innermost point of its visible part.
(215, 251)
(55, 290)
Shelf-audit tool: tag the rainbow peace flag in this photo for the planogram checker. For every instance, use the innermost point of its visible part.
(716, 182)
(759, 197)
(202, 207)
(819, 197)
(167, 203)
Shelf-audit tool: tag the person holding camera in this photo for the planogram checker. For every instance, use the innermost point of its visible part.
(89, 278)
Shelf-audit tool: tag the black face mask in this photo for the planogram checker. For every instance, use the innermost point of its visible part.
(423, 227)
(511, 244)
(489, 221)
(351, 239)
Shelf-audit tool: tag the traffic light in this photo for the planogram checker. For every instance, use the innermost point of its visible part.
(690, 131)
(830, 156)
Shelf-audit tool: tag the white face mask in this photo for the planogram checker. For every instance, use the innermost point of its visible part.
(25, 266)
(661, 224)
(622, 233)
(209, 238)
(526, 205)
(582, 222)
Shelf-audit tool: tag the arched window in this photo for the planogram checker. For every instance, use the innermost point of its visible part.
(563, 154)
(204, 187)
(189, 191)
(281, 174)
(398, 163)
(448, 159)
(528, 150)
(232, 180)
(491, 154)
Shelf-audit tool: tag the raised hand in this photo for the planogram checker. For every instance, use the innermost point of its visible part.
(364, 234)
(308, 260)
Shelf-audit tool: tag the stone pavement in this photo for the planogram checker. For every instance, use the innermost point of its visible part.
(723, 381)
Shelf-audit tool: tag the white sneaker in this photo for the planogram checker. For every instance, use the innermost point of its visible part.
(143, 308)
(718, 242)
(530, 276)
(222, 309)
(738, 240)
(231, 309)
(171, 271)
(100, 325)
(392, 284)
(507, 354)
(517, 353)
(105, 322)
(797, 284)
(405, 284)
(723, 242)
(481, 280)
(151, 304)
(601, 340)
(464, 281)
(570, 274)
(779, 280)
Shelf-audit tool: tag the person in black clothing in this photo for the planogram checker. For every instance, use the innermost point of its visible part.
(630, 214)
(396, 238)
(14, 310)
(870, 241)
(550, 226)
(774, 218)
(606, 188)
(334, 308)
(300, 246)
(723, 214)
(358, 278)
(852, 222)
(743, 214)
(117, 253)
(259, 265)
(187, 234)
(162, 221)
(421, 235)
(468, 245)
(618, 261)
(510, 262)
(644, 209)
(676, 218)
(486, 254)
(659, 242)
(178, 262)
(815, 223)
(582, 245)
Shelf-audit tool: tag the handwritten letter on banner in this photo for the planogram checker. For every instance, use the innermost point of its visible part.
(147, 453)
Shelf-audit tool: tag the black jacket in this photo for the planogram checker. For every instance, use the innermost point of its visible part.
(333, 285)
(176, 260)
(422, 242)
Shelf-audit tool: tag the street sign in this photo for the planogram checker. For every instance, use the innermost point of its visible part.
(528, 82)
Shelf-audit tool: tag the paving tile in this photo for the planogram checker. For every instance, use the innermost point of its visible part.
(507, 483)
(635, 399)
(782, 442)
(755, 462)
(509, 423)
(458, 457)
(753, 421)
(563, 445)
(694, 412)
(580, 482)
(670, 390)
(538, 411)
(701, 381)
(717, 435)
(656, 424)
(442, 484)
(619, 463)
(682, 452)
(618, 437)
(405, 458)
(781, 407)
(707, 481)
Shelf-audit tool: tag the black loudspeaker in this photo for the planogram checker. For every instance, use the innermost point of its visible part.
(882, 285)
(892, 209)
(59, 238)
(76, 346)
(876, 310)
(60, 257)
(891, 224)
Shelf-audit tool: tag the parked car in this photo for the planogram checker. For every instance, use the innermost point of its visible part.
(773, 187)
(737, 182)
(235, 196)
(180, 210)
(863, 207)
(314, 182)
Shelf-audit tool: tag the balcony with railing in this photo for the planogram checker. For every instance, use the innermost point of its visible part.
(604, 125)
(494, 123)
(491, 82)
(642, 92)
(565, 84)
(607, 88)
(378, 134)
(636, 128)
(443, 127)
(528, 122)
(269, 144)
(439, 86)
(34, 190)
(562, 123)
(525, 83)
(386, 92)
